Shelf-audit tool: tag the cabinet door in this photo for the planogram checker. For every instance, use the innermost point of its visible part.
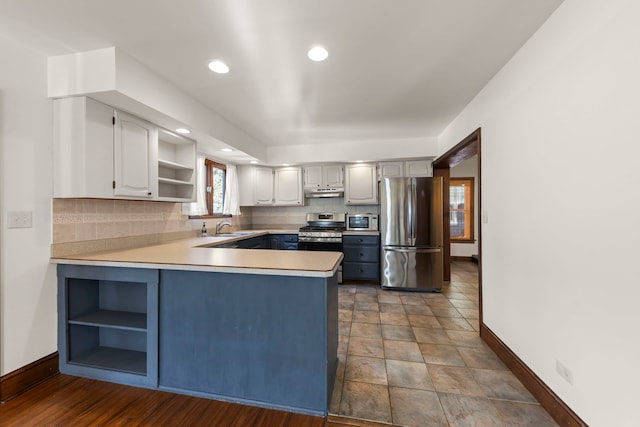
(391, 169)
(262, 186)
(287, 186)
(418, 168)
(135, 157)
(333, 176)
(312, 176)
(361, 184)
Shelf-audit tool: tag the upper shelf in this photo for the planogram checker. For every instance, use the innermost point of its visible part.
(173, 165)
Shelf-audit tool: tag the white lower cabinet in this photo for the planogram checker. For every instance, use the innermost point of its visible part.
(361, 184)
(100, 152)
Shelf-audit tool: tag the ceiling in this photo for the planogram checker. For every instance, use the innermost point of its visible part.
(397, 69)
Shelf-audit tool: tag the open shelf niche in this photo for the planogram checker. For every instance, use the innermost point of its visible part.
(176, 167)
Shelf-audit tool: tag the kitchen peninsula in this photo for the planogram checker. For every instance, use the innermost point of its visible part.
(255, 326)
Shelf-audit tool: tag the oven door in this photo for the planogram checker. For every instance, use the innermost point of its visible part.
(322, 246)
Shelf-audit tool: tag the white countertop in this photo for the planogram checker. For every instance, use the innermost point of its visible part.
(188, 254)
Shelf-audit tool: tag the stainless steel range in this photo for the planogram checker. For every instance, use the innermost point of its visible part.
(323, 232)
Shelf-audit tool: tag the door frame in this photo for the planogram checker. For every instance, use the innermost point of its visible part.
(469, 146)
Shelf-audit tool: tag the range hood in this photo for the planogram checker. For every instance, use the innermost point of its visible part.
(323, 192)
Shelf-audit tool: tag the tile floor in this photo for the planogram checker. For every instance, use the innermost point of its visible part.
(415, 359)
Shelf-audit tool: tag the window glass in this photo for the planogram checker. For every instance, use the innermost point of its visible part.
(461, 209)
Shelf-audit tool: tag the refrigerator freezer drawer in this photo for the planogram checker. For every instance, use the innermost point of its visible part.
(408, 268)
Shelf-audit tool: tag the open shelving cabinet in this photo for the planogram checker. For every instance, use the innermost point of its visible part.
(108, 323)
(176, 167)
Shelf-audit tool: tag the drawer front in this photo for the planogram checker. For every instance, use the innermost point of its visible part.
(360, 271)
(361, 253)
(289, 246)
(360, 240)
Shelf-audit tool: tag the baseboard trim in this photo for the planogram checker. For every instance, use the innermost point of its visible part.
(550, 401)
(22, 379)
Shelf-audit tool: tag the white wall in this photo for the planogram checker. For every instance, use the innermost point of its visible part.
(559, 169)
(27, 282)
(467, 169)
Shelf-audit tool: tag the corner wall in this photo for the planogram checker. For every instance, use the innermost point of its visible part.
(559, 166)
(27, 282)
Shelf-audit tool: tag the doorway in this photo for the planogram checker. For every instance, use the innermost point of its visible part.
(464, 150)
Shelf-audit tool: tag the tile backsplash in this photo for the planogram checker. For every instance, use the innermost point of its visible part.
(88, 225)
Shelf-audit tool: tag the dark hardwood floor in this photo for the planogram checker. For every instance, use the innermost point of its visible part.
(69, 401)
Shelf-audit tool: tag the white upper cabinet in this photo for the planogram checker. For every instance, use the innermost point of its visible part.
(287, 186)
(323, 176)
(361, 184)
(408, 168)
(391, 169)
(262, 186)
(103, 153)
(417, 168)
(83, 148)
(135, 154)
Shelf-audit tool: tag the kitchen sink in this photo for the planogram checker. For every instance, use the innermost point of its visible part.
(237, 234)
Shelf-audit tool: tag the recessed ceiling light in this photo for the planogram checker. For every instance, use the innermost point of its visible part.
(228, 150)
(317, 53)
(218, 67)
(183, 131)
(286, 164)
(254, 162)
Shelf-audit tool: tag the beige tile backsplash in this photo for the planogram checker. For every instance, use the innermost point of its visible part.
(88, 225)
(91, 225)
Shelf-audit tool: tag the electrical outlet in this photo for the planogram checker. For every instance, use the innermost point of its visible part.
(484, 217)
(19, 219)
(564, 372)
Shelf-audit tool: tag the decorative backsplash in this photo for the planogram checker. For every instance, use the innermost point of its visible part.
(90, 225)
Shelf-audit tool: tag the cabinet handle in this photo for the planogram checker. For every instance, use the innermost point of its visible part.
(149, 193)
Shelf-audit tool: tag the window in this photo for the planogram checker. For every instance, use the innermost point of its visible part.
(216, 178)
(461, 209)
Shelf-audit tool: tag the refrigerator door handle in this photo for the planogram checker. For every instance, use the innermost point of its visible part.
(414, 250)
(412, 213)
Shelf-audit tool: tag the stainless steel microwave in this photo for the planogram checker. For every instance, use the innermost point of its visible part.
(362, 222)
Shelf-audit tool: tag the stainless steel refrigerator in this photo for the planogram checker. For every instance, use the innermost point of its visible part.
(411, 233)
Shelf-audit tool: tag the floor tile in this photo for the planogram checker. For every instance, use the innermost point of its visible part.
(421, 321)
(391, 308)
(344, 328)
(366, 306)
(394, 319)
(522, 414)
(502, 385)
(366, 401)
(416, 408)
(366, 297)
(469, 313)
(336, 396)
(439, 354)
(455, 323)
(402, 350)
(370, 370)
(389, 299)
(365, 289)
(463, 411)
(367, 330)
(344, 315)
(371, 347)
(431, 336)
(481, 357)
(343, 344)
(418, 309)
(452, 379)
(412, 299)
(463, 303)
(465, 338)
(345, 305)
(445, 312)
(366, 316)
(342, 365)
(405, 374)
(398, 332)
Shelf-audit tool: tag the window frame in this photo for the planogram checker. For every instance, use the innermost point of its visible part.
(469, 215)
(209, 165)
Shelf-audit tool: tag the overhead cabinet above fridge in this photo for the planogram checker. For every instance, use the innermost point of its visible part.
(100, 152)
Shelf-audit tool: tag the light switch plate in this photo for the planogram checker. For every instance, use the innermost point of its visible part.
(20, 219)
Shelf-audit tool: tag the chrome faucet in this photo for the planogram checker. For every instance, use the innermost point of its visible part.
(220, 225)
